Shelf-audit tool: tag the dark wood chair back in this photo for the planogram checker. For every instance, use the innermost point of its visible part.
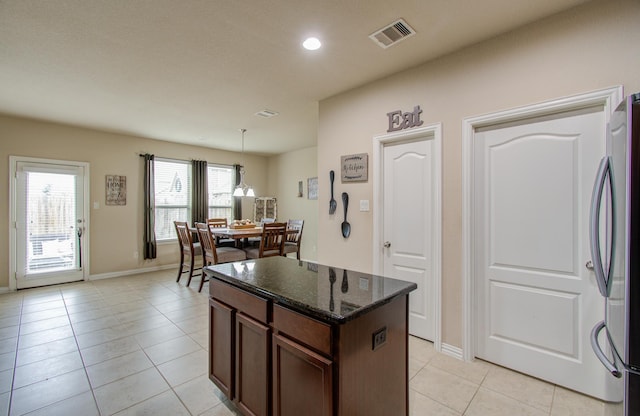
(213, 254)
(187, 248)
(208, 244)
(293, 239)
(294, 225)
(271, 241)
(217, 222)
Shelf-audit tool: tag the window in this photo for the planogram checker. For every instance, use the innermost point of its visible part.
(172, 179)
(220, 180)
(173, 194)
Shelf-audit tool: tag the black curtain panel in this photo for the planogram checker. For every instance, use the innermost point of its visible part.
(237, 200)
(150, 245)
(199, 191)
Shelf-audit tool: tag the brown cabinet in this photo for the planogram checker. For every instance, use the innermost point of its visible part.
(273, 360)
(221, 350)
(302, 365)
(253, 341)
(240, 348)
(302, 380)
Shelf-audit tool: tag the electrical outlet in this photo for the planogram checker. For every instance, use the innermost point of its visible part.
(379, 338)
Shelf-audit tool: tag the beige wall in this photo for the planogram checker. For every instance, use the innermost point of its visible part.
(115, 231)
(285, 171)
(589, 48)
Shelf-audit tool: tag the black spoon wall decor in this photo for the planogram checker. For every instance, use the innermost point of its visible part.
(346, 227)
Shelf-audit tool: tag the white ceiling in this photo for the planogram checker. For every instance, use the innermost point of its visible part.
(196, 71)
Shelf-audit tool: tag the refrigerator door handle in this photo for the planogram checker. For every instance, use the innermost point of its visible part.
(594, 224)
(595, 346)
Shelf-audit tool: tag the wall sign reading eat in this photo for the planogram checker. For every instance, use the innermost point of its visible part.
(400, 121)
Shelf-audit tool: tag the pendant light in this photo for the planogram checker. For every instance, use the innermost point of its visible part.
(243, 189)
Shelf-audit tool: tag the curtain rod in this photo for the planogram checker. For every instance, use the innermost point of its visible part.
(183, 160)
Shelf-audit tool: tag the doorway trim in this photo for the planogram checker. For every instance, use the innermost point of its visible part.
(13, 163)
(429, 132)
(608, 98)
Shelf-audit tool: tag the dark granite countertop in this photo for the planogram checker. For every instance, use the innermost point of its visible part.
(306, 287)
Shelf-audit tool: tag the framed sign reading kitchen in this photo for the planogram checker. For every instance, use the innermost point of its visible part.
(355, 168)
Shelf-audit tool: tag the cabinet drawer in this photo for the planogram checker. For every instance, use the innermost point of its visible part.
(254, 306)
(315, 334)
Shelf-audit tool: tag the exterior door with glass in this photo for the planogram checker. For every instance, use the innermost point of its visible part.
(49, 222)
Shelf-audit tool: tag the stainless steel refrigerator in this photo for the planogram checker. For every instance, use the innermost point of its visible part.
(615, 251)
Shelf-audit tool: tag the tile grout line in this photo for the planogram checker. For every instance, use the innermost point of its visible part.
(155, 366)
(15, 357)
(84, 366)
(78, 350)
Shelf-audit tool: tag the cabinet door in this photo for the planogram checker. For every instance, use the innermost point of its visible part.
(221, 351)
(252, 366)
(302, 380)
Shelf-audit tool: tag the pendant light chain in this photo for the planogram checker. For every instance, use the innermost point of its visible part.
(243, 189)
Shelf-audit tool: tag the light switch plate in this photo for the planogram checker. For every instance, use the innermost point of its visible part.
(364, 205)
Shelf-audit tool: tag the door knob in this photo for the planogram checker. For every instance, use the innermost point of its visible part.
(387, 244)
(589, 265)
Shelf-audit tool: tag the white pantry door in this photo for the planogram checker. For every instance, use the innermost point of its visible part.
(536, 300)
(410, 234)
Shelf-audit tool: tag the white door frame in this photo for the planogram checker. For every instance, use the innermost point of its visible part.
(13, 162)
(379, 142)
(608, 98)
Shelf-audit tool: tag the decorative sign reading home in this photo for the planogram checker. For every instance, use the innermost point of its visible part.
(115, 190)
(400, 121)
(355, 168)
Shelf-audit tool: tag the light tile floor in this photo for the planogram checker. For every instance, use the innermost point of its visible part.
(138, 345)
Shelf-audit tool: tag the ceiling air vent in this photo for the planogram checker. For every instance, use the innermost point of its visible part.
(392, 34)
(267, 113)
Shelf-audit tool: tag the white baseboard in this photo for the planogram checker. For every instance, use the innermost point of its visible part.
(452, 351)
(4, 289)
(132, 272)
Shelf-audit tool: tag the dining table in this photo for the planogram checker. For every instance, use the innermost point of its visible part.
(236, 233)
(239, 235)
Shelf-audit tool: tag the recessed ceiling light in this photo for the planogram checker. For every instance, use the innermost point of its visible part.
(267, 113)
(312, 44)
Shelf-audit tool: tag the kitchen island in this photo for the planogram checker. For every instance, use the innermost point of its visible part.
(294, 338)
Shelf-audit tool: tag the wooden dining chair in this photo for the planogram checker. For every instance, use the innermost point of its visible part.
(211, 254)
(255, 242)
(293, 239)
(271, 241)
(217, 222)
(187, 248)
(220, 223)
